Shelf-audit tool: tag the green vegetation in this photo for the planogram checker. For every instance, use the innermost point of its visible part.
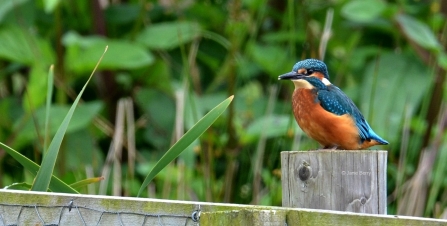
(169, 63)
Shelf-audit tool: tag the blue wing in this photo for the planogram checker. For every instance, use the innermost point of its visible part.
(332, 99)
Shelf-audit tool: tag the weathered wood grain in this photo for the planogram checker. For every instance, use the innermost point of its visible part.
(44, 208)
(353, 181)
(310, 217)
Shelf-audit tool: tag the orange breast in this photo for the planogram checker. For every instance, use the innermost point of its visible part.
(330, 130)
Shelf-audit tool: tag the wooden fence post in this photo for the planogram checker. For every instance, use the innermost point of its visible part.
(353, 181)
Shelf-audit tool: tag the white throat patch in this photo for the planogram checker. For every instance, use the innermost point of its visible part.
(301, 83)
(326, 82)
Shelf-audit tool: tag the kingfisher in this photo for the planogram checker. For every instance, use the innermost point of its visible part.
(324, 112)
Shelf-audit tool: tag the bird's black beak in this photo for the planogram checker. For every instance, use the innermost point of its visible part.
(290, 75)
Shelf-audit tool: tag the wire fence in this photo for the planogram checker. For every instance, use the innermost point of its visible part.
(45, 208)
(73, 214)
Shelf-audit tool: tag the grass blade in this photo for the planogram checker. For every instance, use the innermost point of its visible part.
(56, 184)
(45, 172)
(18, 186)
(86, 182)
(192, 134)
(48, 105)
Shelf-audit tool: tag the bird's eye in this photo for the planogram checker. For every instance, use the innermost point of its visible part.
(309, 72)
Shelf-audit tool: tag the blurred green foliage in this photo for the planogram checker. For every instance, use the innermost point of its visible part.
(178, 59)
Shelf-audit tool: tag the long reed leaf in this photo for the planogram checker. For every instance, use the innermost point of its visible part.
(48, 106)
(200, 127)
(86, 182)
(45, 172)
(56, 184)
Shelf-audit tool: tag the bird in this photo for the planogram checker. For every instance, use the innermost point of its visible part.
(324, 112)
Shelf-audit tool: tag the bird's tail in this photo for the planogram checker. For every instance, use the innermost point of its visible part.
(376, 137)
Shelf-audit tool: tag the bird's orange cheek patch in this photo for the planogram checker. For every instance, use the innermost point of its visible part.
(318, 75)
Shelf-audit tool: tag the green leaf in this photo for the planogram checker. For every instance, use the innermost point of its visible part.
(83, 52)
(160, 78)
(269, 126)
(20, 46)
(283, 36)
(442, 60)
(19, 186)
(26, 126)
(48, 106)
(121, 55)
(224, 42)
(200, 127)
(86, 182)
(264, 55)
(122, 13)
(56, 184)
(169, 35)
(45, 172)
(8, 5)
(388, 105)
(209, 15)
(50, 5)
(363, 10)
(161, 118)
(418, 32)
(37, 82)
(83, 149)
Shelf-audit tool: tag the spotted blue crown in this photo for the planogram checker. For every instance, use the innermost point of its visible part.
(312, 64)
